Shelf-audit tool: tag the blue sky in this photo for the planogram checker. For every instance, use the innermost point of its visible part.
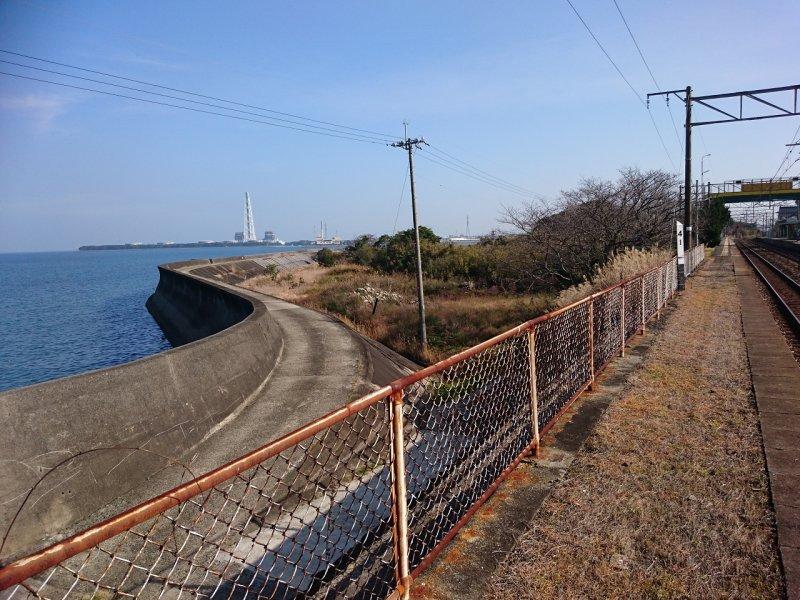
(518, 89)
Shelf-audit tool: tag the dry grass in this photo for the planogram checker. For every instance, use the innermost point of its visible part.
(621, 266)
(290, 285)
(668, 498)
(457, 317)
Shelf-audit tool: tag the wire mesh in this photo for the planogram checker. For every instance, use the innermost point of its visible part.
(463, 427)
(313, 521)
(633, 306)
(320, 518)
(562, 360)
(607, 326)
(693, 258)
(651, 291)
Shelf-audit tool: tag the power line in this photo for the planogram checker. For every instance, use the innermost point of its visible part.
(472, 175)
(197, 95)
(448, 164)
(625, 79)
(481, 171)
(199, 102)
(400, 202)
(475, 175)
(649, 70)
(189, 108)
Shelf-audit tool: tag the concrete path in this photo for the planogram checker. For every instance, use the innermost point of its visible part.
(322, 366)
(776, 383)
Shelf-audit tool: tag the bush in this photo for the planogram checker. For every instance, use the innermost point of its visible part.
(327, 258)
(440, 260)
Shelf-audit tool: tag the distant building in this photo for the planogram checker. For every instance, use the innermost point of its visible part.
(788, 224)
(322, 238)
(238, 236)
(270, 237)
(463, 240)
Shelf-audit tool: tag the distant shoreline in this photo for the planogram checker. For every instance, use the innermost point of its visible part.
(299, 244)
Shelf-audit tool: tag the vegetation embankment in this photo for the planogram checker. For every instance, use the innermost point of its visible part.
(594, 235)
(383, 306)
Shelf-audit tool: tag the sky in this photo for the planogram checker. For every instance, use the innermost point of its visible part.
(517, 89)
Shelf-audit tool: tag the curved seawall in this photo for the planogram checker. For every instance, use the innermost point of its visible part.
(111, 430)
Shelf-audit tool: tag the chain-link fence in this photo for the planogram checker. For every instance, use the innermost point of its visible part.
(693, 258)
(358, 503)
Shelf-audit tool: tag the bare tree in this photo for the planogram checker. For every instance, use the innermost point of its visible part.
(562, 245)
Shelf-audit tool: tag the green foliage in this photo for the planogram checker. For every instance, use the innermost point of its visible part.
(715, 217)
(272, 271)
(440, 260)
(327, 258)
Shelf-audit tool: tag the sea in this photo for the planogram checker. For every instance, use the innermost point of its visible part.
(63, 313)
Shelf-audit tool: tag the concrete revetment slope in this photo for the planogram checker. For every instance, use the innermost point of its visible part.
(252, 368)
(111, 430)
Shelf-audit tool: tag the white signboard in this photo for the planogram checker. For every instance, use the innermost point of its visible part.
(679, 239)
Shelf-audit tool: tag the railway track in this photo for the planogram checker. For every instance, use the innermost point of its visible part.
(780, 279)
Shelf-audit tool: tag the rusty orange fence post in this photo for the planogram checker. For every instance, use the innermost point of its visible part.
(591, 344)
(399, 506)
(534, 394)
(622, 324)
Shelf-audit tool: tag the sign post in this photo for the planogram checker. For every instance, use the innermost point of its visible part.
(681, 257)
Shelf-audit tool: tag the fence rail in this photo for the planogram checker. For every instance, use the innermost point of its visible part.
(359, 502)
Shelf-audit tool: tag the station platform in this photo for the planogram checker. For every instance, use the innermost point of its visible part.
(775, 377)
(678, 475)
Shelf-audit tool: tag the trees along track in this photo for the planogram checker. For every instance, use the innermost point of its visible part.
(783, 286)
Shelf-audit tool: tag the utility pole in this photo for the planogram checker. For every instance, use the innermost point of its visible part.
(409, 145)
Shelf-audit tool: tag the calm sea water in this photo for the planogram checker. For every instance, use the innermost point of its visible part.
(63, 313)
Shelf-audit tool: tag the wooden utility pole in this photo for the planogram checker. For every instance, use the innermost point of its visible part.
(409, 144)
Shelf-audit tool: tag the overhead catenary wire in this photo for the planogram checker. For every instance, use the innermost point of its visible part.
(788, 153)
(195, 94)
(625, 79)
(650, 71)
(189, 108)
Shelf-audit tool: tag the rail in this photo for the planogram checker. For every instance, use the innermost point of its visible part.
(359, 502)
(783, 288)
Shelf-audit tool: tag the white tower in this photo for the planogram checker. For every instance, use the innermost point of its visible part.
(249, 224)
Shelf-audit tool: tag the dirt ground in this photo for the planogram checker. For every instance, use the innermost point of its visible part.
(669, 496)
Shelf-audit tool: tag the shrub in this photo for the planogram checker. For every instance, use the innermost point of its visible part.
(327, 258)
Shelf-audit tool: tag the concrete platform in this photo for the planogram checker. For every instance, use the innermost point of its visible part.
(776, 385)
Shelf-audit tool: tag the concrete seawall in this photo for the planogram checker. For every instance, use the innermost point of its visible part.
(187, 311)
(110, 431)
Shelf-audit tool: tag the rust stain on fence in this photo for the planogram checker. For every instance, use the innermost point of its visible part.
(361, 501)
